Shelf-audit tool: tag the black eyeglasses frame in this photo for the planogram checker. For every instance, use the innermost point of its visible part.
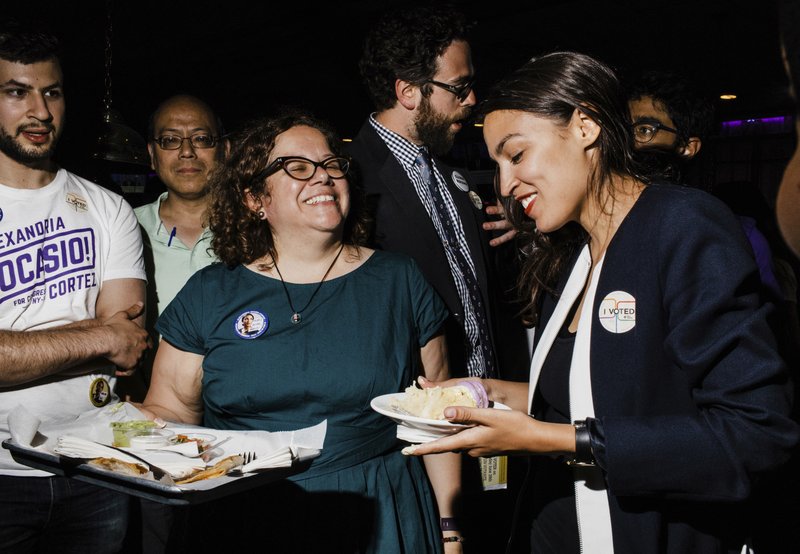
(461, 92)
(280, 163)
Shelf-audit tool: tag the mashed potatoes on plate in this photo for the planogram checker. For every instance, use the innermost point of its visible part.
(430, 403)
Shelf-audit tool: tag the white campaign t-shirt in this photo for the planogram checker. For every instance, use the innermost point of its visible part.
(58, 245)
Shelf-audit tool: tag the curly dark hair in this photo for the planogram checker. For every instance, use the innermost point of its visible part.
(691, 111)
(404, 44)
(240, 237)
(553, 86)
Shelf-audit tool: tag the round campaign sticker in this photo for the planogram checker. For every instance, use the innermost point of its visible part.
(476, 200)
(100, 392)
(618, 312)
(250, 324)
(460, 181)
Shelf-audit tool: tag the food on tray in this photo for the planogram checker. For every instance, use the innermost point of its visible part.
(124, 430)
(118, 466)
(203, 441)
(217, 470)
(430, 403)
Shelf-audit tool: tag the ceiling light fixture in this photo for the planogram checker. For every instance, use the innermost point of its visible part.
(727, 97)
(117, 142)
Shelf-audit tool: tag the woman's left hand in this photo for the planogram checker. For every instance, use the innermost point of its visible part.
(498, 432)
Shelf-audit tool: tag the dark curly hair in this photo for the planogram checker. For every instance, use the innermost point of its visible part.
(691, 111)
(404, 44)
(240, 237)
(553, 86)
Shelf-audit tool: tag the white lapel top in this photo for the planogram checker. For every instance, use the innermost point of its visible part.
(591, 498)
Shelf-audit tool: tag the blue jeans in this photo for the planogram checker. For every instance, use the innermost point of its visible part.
(57, 514)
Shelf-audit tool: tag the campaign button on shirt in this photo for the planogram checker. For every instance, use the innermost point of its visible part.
(460, 181)
(250, 324)
(99, 392)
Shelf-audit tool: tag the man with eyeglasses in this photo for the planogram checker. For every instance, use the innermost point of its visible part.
(417, 66)
(670, 119)
(186, 145)
(72, 285)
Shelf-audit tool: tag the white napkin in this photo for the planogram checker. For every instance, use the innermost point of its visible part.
(23, 425)
(419, 436)
(176, 465)
(271, 449)
(282, 457)
(76, 447)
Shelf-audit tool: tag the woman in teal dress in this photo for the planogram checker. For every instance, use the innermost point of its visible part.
(297, 325)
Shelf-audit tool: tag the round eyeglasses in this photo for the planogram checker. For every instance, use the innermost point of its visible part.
(645, 132)
(303, 169)
(174, 142)
(460, 91)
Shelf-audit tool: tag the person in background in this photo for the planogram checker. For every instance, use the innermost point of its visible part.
(71, 310)
(657, 392)
(670, 119)
(416, 64)
(336, 323)
(788, 201)
(186, 145)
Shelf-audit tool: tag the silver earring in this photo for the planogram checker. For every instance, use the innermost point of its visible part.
(261, 214)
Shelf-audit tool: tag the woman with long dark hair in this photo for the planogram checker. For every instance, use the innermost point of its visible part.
(656, 393)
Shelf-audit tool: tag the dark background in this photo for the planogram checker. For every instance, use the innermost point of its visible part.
(244, 58)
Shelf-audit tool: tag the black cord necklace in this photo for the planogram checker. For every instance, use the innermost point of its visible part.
(296, 315)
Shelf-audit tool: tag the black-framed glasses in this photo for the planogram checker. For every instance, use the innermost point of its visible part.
(175, 142)
(460, 91)
(303, 169)
(645, 132)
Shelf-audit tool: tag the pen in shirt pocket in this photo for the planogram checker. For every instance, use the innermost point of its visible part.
(172, 235)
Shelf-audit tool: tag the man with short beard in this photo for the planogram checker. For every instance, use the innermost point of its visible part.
(417, 66)
(72, 285)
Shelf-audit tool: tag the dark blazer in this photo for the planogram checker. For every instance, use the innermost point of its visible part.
(694, 400)
(401, 224)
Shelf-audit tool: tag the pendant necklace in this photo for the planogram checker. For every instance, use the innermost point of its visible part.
(296, 315)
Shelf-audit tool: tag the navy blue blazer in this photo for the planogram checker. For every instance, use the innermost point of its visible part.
(694, 400)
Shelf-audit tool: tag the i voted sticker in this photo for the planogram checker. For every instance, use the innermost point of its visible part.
(460, 181)
(250, 324)
(618, 312)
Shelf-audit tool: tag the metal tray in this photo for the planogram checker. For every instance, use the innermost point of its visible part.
(152, 490)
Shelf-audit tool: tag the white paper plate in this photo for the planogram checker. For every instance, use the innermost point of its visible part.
(384, 405)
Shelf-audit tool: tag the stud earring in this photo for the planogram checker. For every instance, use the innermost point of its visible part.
(261, 214)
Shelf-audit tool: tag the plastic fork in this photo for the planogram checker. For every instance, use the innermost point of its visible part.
(247, 457)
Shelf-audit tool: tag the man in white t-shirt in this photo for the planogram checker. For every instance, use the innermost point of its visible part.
(72, 286)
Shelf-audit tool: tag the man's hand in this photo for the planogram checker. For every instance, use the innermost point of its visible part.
(127, 340)
(501, 224)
